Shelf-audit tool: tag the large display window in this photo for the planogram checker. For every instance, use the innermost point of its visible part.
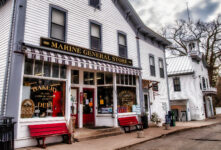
(43, 98)
(105, 100)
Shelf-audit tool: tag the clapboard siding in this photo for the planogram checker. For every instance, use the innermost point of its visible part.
(79, 14)
(5, 24)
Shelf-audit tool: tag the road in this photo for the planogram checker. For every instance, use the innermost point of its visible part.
(207, 138)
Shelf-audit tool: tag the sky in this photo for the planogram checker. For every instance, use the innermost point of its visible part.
(159, 13)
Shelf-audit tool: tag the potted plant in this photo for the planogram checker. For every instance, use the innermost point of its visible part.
(155, 118)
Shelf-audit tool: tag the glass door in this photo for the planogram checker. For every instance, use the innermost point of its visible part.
(88, 107)
(74, 105)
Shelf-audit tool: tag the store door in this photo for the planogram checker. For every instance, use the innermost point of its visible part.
(88, 107)
(74, 104)
(146, 102)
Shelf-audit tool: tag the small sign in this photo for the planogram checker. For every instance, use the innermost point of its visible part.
(137, 109)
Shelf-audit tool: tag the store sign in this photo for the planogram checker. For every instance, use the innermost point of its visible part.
(83, 51)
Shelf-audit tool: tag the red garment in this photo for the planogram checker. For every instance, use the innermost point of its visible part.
(56, 103)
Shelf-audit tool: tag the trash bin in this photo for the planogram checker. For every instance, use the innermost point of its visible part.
(172, 118)
(144, 120)
(6, 133)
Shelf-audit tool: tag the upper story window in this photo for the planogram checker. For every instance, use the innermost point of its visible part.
(122, 42)
(161, 66)
(204, 83)
(58, 24)
(176, 84)
(95, 3)
(155, 87)
(152, 66)
(192, 46)
(95, 36)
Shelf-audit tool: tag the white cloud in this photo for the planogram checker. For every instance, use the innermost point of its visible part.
(158, 13)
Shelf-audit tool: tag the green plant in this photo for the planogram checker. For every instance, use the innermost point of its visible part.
(155, 118)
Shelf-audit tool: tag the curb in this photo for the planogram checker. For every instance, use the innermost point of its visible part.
(170, 133)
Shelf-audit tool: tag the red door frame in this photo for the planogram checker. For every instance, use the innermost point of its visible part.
(76, 122)
(90, 89)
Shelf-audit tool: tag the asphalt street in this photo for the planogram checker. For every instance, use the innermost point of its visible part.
(206, 138)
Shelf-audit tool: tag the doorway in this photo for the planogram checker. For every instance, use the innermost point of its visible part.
(74, 104)
(88, 107)
(146, 103)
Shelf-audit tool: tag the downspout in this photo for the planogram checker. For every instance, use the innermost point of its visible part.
(168, 93)
(8, 64)
(140, 76)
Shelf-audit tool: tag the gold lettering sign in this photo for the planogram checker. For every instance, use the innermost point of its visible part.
(83, 51)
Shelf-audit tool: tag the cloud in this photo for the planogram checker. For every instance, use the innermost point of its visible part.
(159, 13)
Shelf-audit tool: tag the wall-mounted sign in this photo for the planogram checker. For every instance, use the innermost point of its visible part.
(83, 51)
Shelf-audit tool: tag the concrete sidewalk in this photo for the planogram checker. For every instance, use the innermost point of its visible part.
(124, 140)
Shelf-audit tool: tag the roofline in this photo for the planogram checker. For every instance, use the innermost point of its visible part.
(179, 74)
(141, 27)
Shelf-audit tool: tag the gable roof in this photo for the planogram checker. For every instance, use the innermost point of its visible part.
(179, 65)
(138, 23)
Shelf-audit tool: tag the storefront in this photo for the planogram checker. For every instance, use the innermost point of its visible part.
(57, 86)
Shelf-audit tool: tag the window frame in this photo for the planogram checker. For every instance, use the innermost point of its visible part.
(177, 88)
(125, 36)
(98, 7)
(161, 75)
(90, 41)
(51, 7)
(154, 73)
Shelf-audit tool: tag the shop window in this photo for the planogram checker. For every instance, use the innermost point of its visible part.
(28, 67)
(38, 68)
(100, 78)
(58, 24)
(75, 76)
(161, 66)
(130, 80)
(95, 3)
(176, 84)
(89, 78)
(134, 80)
(126, 99)
(152, 66)
(47, 69)
(55, 70)
(122, 42)
(126, 79)
(63, 72)
(95, 36)
(105, 100)
(118, 79)
(43, 98)
(108, 78)
(122, 79)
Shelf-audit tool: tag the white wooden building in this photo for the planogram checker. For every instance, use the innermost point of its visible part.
(76, 58)
(190, 91)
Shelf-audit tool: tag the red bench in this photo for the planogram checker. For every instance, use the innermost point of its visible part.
(128, 122)
(40, 132)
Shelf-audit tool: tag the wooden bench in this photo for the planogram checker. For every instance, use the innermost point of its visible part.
(128, 122)
(40, 132)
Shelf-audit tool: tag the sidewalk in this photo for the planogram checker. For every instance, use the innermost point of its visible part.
(124, 140)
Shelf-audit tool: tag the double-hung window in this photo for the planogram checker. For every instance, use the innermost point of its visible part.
(152, 66)
(58, 24)
(95, 36)
(122, 42)
(95, 3)
(161, 66)
(176, 84)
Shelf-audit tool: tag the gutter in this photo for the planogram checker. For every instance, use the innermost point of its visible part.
(168, 89)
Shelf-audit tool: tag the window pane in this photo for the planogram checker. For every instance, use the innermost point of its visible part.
(75, 76)
(126, 79)
(28, 66)
(42, 98)
(95, 43)
(161, 64)
(122, 51)
(122, 79)
(38, 68)
(122, 40)
(95, 30)
(47, 69)
(55, 69)
(100, 78)
(58, 17)
(89, 78)
(151, 61)
(109, 78)
(57, 32)
(63, 72)
(134, 80)
(126, 99)
(105, 100)
(130, 80)
(118, 79)
(94, 3)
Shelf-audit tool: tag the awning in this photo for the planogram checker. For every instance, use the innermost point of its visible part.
(53, 57)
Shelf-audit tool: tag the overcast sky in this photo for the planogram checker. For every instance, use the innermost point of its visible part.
(158, 13)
